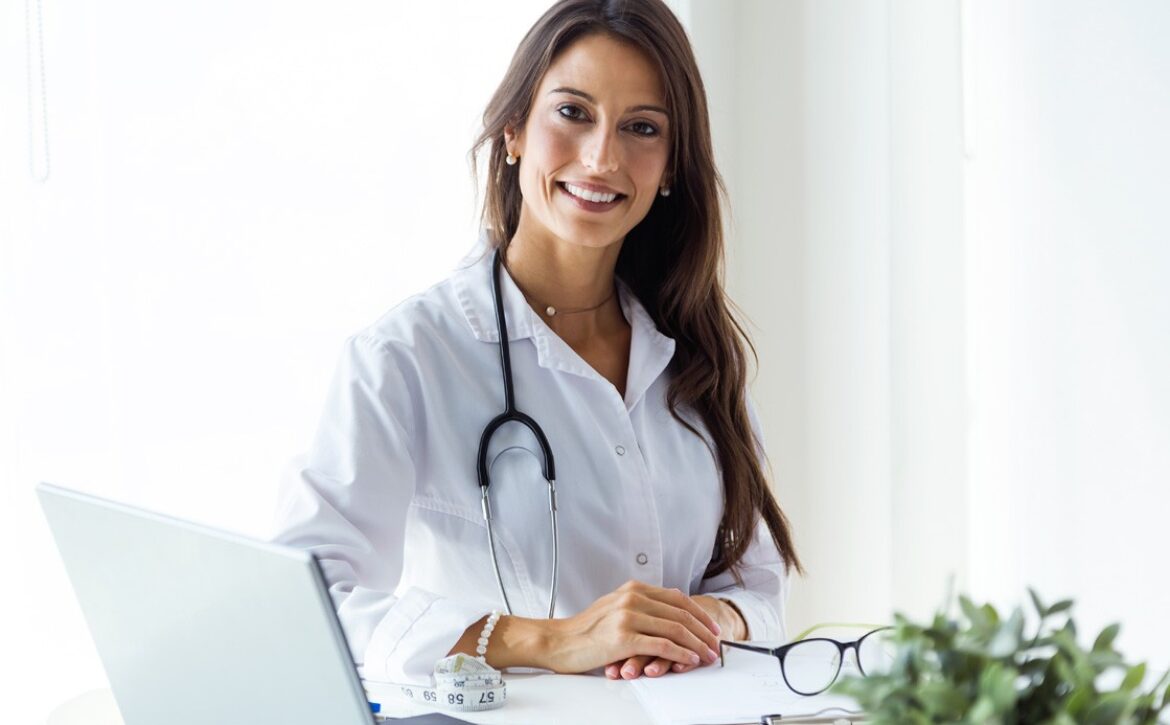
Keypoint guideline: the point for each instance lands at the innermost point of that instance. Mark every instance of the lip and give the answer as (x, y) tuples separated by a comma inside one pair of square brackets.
[(599, 188), (591, 206)]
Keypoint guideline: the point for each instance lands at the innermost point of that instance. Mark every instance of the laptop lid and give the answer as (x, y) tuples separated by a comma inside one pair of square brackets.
[(198, 626)]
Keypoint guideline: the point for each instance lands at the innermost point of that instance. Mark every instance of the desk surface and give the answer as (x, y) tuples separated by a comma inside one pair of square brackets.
[(537, 698), (532, 698)]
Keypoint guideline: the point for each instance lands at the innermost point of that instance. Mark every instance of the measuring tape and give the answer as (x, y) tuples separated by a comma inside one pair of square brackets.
[(462, 683)]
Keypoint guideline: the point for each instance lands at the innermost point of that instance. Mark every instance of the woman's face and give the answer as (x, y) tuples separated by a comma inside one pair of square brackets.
[(598, 125)]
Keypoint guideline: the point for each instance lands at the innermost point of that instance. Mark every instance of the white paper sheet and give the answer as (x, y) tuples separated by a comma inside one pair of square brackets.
[(750, 685)]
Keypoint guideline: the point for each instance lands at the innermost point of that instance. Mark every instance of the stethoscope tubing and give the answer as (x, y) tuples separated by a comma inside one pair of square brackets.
[(512, 415)]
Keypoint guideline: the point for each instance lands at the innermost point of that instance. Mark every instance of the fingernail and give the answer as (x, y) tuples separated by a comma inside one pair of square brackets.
[(628, 671), (718, 629), (694, 659), (653, 669), (711, 655)]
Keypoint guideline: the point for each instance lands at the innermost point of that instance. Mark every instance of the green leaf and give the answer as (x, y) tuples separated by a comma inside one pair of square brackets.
[(1142, 708), (1006, 639), (943, 700), (997, 683), (1061, 606), (1101, 661), (1064, 670), (1104, 640), (1108, 710), (1040, 608), (991, 614), (974, 614), (1080, 699), (1065, 641), (981, 713)]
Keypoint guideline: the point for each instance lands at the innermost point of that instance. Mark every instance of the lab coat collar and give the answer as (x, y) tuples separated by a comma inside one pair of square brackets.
[(650, 350), (473, 287)]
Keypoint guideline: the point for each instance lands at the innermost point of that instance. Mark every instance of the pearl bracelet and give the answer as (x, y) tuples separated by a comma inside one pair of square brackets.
[(481, 648)]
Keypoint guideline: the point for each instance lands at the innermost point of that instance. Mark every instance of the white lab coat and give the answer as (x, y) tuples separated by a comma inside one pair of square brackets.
[(387, 496)]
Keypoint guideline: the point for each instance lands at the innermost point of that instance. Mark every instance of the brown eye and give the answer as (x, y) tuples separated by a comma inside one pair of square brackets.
[(649, 128), (572, 110)]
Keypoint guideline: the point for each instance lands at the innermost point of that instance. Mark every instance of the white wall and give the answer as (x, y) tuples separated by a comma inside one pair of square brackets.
[(1067, 229), (803, 109), (951, 237)]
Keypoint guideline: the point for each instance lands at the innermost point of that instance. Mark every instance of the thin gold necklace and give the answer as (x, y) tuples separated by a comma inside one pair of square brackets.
[(552, 311)]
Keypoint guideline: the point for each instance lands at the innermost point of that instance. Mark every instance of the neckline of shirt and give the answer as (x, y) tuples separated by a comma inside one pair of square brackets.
[(650, 350)]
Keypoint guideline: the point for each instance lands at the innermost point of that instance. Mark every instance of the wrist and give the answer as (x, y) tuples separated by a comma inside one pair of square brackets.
[(520, 642), (739, 628), (732, 625)]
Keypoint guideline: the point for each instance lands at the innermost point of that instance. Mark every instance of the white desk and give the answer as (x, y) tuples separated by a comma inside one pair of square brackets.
[(538, 698)]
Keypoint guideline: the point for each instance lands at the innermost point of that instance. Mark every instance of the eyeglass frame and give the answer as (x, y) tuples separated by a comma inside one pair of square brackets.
[(782, 651)]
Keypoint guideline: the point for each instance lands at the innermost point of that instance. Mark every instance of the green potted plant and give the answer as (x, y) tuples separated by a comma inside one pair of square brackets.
[(982, 668)]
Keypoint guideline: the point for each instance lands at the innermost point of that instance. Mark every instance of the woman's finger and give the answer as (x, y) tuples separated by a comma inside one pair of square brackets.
[(680, 667), (675, 632), (662, 610), (633, 667), (658, 667), (662, 621), (676, 598), (664, 648)]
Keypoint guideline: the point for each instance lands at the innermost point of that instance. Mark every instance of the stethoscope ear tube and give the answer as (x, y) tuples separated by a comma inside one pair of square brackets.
[(511, 415)]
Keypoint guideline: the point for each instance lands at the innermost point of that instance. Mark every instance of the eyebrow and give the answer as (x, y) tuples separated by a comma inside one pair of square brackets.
[(587, 97)]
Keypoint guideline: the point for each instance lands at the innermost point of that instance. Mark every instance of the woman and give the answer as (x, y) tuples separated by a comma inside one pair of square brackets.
[(602, 206)]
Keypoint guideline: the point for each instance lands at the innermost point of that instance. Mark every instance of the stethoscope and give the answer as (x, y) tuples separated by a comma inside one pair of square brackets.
[(511, 415)]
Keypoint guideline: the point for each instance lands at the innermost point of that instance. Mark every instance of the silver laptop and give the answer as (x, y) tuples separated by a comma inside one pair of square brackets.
[(197, 626)]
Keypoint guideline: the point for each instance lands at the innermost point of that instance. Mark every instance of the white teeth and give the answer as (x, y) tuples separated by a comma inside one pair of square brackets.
[(589, 195)]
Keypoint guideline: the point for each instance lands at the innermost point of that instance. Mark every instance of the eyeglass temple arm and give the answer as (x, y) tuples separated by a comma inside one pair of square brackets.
[(740, 645), (826, 625)]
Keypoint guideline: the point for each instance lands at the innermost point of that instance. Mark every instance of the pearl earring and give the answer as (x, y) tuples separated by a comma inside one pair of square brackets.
[(664, 191), (510, 160)]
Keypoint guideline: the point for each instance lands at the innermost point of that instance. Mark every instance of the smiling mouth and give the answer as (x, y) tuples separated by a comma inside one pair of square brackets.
[(590, 199)]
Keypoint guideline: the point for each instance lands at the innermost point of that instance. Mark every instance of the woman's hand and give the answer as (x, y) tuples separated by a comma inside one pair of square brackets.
[(727, 619), (635, 620), (638, 623)]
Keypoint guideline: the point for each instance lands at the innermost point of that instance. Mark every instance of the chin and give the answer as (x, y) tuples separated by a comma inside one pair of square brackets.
[(593, 235), (592, 240)]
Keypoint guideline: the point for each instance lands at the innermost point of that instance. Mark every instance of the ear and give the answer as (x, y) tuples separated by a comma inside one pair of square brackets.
[(513, 140)]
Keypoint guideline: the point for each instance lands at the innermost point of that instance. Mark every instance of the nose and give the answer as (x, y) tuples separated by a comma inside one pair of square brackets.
[(600, 152)]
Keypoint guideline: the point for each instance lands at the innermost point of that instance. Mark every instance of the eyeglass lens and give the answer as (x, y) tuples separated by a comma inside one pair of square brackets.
[(812, 665), (875, 652)]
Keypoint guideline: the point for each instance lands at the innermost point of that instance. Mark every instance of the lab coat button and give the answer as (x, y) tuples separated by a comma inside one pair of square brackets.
[(642, 558), (621, 450)]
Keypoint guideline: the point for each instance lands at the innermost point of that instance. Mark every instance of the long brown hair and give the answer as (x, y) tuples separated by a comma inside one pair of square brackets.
[(673, 258)]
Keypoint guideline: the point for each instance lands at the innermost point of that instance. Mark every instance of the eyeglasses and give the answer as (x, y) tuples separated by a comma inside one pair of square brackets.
[(810, 666)]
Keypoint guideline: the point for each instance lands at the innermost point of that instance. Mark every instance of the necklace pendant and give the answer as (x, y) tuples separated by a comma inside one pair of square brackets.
[(550, 310)]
